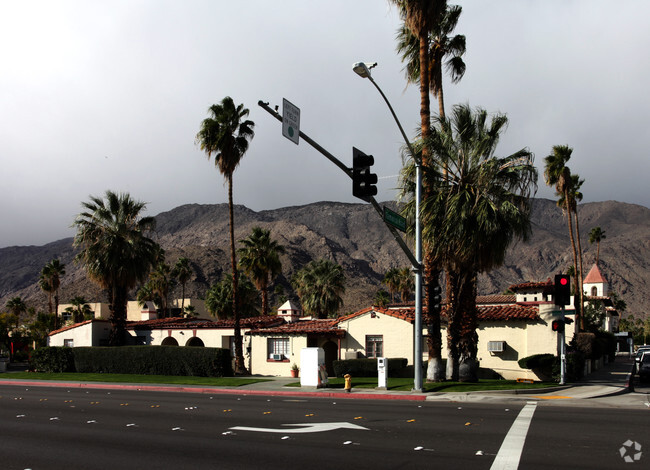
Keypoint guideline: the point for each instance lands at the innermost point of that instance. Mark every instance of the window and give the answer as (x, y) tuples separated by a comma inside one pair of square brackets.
[(278, 349), (68, 343), (594, 291), (374, 346)]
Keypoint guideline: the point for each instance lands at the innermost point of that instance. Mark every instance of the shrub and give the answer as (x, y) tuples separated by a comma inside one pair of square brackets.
[(52, 359), (537, 361), (368, 367)]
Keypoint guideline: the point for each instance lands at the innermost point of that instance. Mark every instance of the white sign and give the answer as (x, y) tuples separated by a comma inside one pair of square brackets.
[(306, 427), (290, 121)]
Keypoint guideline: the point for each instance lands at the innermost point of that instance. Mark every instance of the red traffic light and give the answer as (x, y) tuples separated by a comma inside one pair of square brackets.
[(564, 281), (557, 325)]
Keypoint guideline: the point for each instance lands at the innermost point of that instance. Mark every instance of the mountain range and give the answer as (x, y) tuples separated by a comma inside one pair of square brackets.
[(354, 236)]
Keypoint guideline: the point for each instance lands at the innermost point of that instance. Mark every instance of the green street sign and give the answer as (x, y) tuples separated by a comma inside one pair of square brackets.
[(394, 219)]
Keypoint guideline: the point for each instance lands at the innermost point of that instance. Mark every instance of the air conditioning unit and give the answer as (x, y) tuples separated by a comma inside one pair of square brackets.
[(278, 357), (496, 346)]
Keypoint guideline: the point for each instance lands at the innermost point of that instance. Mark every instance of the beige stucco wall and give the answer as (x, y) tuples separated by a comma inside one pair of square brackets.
[(134, 311), (90, 334), (397, 335), (263, 365)]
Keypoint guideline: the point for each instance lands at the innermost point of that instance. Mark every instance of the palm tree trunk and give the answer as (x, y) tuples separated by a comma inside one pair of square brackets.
[(453, 323), (182, 297), (240, 366), (575, 261), (468, 344), (265, 297), (117, 307), (580, 272)]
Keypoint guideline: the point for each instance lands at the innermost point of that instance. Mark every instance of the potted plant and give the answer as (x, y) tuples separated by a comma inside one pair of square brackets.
[(294, 370)]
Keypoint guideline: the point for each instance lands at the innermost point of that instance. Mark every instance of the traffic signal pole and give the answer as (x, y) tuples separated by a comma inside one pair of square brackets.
[(415, 260)]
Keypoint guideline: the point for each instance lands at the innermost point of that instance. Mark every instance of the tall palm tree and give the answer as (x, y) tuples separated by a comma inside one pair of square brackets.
[(558, 174), (51, 278), (226, 134), (320, 285), (183, 273), (420, 17), (260, 260), (161, 282), (482, 204), (115, 251), (46, 286), (595, 236), (444, 49), (391, 279), (406, 284), (17, 307)]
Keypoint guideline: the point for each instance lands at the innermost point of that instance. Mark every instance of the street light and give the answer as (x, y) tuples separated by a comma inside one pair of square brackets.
[(363, 70)]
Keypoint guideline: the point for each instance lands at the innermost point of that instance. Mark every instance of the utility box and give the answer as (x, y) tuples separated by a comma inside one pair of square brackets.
[(312, 367), (382, 365)]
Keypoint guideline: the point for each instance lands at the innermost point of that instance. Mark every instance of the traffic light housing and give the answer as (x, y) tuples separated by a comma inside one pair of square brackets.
[(562, 292), (558, 325), (436, 299), (363, 182)]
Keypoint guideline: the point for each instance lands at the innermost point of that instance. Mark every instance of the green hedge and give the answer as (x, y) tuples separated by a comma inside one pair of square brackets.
[(368, 367), (145, 360), (52, 359), (537, 361)]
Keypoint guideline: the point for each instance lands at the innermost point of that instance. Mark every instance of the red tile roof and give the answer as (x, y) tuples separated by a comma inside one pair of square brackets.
[(77, 325), (594, 276), (191, 323), (302, 327), (532, 285), (496, 299)]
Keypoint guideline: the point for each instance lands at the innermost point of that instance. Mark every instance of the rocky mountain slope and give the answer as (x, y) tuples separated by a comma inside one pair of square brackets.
[(353, 235)]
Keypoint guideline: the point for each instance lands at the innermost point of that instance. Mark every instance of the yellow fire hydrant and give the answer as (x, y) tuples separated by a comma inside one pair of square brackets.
[(348, 382)]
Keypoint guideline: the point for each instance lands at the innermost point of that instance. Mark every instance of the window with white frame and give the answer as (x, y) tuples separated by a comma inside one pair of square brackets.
[(374, 346), (278, 349), (69, 343)]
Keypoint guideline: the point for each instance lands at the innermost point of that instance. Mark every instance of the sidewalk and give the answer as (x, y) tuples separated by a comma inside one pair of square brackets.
[(612, 379)]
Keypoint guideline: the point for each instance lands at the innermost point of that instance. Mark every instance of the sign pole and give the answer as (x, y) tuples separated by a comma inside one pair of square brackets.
[(562, 350)]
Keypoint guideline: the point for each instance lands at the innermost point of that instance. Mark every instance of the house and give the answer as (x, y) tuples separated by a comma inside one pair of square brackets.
[(134, 310)]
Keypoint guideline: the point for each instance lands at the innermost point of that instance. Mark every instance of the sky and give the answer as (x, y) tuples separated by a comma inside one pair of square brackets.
[(109, 95)]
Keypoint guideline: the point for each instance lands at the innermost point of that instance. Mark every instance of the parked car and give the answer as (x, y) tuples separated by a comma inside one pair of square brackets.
[(644, 366), (639, 353)]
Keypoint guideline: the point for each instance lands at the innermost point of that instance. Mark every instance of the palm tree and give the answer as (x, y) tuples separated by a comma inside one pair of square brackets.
[(161, 282), (17, 307), (183, 273), (115, 251), (595, 236), (406, 284), (382, 298), (218, 299), (421, 17), (44, 284), (51, 278), (320, 285), (260, 260), (391, 279), (226, 134), (558, 174), (443, 49), (80, 309), (482, 204)]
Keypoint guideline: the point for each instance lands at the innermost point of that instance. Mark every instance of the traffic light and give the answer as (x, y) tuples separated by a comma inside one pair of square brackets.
[(363, 182), (562, 292), (557, 325), (436, 299)]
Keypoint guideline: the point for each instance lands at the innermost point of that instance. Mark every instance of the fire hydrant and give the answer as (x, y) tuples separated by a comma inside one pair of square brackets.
[(348, 382)]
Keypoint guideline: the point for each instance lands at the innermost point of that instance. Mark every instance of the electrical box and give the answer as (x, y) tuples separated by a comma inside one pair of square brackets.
[(382, 366)]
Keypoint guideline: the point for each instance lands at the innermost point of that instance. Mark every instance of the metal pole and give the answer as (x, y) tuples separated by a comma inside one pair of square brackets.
[(417, 266), (562, 350)]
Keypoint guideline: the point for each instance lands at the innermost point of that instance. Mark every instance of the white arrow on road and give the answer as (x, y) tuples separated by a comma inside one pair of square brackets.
[(306, 427)]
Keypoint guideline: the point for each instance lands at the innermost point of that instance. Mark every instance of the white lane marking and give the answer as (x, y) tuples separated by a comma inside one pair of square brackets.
[(306, 427), (510, 452)]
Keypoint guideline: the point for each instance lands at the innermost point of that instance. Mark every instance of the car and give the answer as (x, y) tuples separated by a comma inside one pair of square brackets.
[(644, 367), (639, 353)]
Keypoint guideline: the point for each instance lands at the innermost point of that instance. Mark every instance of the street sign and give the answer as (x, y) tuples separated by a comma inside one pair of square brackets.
[(290, 121), (394, 219)]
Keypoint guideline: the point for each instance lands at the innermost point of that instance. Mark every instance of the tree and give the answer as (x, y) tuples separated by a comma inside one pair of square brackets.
[(406, 284), (80, 309), (161, 282), (320, 285), (443, 49), (420, 17), (382, 298), (391, 279), (51, 279), (183, 273), (558, 174), (595, 236), (482, 203), (44, 284), (225, 134), (259, 257), (115, 251), (218, 299), (17, 307), (41, 327)]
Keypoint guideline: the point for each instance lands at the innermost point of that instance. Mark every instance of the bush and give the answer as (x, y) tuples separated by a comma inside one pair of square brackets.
[(575, 367), (154, 360), (537, 361), (368, 367), (145, 360), (52, 359)]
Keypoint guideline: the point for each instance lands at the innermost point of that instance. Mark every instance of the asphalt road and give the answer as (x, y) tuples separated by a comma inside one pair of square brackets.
[(48, 428)]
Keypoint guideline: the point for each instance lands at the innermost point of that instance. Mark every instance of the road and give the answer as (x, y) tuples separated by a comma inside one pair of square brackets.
[(51, 428)]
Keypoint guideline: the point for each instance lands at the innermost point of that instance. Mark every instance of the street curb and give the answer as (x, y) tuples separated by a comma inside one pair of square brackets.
[(219, 391)]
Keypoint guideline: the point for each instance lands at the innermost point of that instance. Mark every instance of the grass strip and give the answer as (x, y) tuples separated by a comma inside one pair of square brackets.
[(134, 378)]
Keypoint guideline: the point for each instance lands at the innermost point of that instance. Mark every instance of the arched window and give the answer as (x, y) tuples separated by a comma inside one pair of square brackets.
[(169, 341), (194, 341), (594, 291)]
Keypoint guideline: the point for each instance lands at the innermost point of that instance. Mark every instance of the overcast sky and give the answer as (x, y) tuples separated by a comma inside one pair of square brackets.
[(98, 95)]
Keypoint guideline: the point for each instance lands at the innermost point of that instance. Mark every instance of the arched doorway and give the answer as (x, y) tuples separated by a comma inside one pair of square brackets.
[(169, 341), (331, 351), (194, 341)]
